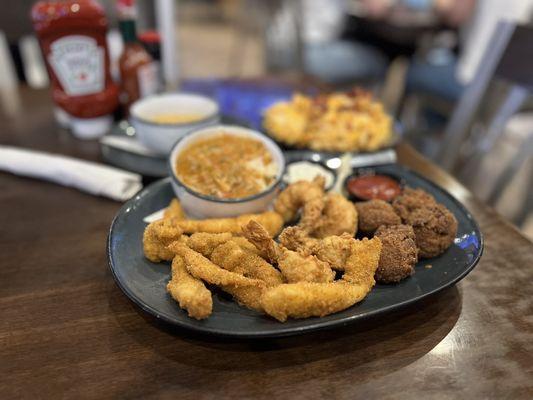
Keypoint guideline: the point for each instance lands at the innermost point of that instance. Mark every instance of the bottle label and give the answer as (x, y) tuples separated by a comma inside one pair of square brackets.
[(148, 78), (78, 63)]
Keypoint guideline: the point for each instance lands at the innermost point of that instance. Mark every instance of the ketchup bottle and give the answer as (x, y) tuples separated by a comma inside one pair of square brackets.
[(72, 35)]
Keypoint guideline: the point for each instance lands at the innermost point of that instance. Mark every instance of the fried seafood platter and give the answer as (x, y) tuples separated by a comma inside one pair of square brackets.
[(313, 260)]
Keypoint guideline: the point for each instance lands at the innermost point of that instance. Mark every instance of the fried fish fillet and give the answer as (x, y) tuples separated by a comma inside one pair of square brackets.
[(174, 211), (157, 236), (309, 299), (363, 261), (245, 290), (204, 243), (272, 221), (234, 258), (188, 291)]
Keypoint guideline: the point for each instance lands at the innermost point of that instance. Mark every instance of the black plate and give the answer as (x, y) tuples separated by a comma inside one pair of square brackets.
[(152, 166), (144, 282)]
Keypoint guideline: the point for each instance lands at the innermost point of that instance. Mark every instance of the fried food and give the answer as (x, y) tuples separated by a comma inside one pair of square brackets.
[(304, 195), (157, 236), (189, 292), (362, 263), (305, 299), (335, 122), (256, 234), (434, 225), (410, 200), (247, 245), (435, 228), (204, 243), (272, 221), (374, 213), (294, 266), (333, 250), (245, 290), (232, 257), (338, 216), (308, 299), (399, 253), (174, 211)]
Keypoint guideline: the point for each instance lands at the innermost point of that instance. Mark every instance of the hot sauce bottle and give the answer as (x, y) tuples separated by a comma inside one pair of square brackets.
[(72, 35), (138, 71)]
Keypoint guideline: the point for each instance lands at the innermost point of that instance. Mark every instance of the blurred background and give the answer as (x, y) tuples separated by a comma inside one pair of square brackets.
[(454, 73)]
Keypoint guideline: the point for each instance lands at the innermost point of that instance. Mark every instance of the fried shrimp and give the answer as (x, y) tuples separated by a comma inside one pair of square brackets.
[(304, 195), (157, 236), (272, 221), (306, 299), (174, 211), (232, 257), (299, 268), (189, 292), (332, 249), (338, 216), (247, 245), (294, 266), (245, 290)]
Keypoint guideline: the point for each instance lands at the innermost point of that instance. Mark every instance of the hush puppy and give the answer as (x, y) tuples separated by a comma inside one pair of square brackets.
[(410, 200), (399, 253), (435, 228), (375, 213)]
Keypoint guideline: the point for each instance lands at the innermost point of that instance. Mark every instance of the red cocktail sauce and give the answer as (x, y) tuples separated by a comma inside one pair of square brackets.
[(368, 187)]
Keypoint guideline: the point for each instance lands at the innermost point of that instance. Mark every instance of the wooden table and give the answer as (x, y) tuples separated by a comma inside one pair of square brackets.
[(67, 331)]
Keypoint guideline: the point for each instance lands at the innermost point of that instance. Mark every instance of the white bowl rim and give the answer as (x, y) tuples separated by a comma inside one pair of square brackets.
[(139, 103), (229, 128)]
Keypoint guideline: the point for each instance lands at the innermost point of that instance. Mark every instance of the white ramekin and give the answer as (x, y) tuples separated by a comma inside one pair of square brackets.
[(198, 205), (160, 137)]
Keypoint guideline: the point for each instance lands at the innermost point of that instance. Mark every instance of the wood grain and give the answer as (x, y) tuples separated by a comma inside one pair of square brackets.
[(67, 331)]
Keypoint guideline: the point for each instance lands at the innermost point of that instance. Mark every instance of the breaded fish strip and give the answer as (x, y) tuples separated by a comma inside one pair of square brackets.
[(294, 266), (157, 236), (189, 292), (205, 243), (272, 221), (304, 195), (362, 263), (306, 299), (234, 258), (245, 290), (174, 211), (339, 216)]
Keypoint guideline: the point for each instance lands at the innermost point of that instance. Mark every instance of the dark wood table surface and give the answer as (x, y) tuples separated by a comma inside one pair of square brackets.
[(67, 331)]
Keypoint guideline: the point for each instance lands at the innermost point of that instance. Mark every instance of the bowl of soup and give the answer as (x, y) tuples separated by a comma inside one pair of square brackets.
[(226, 171), (160, 120)]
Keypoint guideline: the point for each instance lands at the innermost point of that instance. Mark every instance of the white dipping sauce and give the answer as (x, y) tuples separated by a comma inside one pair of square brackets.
[(306, 171)]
